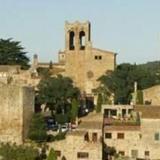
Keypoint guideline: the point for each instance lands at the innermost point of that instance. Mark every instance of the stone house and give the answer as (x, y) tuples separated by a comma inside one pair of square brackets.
[(135, 138), (83, 143)]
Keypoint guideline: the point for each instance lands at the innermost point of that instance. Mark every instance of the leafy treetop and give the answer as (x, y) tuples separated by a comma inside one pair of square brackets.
[(121, 81), (12, 53)]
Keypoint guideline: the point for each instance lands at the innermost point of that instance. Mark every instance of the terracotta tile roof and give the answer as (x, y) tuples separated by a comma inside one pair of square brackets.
[(57, 70), (93, 117), (90, 125), (121, 128), (148, 112), (77, 133), (7, 68), (43, 63), (104, 51)]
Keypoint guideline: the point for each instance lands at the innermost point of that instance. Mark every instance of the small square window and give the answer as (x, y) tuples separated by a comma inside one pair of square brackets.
[(96, 57), (120, 135), (134, 153), (122, 153), (146, 153), (140, 136), (82, 155), (156, 136), (58, 153), (100, 57), (108, 135)]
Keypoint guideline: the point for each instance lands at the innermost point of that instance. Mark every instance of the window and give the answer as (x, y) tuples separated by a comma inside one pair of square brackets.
[(94, 137), (82, 155), (157, 136), (64, 158), (113, 112), (58, 153), (130, 110), (106, 113), (140, 136), (86, 137), (98, 57), (122, 153), (134, 153), (71, 40), (82, 40), (124, 112), (120, 135), (108, 135), (146, 153)]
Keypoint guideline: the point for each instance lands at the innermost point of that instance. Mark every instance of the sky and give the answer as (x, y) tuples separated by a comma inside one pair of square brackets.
[(130, 28)]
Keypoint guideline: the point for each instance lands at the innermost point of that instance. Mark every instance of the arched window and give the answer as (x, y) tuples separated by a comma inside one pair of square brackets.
[(63, 158), (82, 40), (71, 40)]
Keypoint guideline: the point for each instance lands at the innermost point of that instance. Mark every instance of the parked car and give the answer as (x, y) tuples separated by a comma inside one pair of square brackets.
[(51, 124), (83, 112), (73, 126), (64, 128)]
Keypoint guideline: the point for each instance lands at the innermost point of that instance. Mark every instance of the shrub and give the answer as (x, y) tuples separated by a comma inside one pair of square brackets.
[(37, 130), (14, 152), (52, 155)]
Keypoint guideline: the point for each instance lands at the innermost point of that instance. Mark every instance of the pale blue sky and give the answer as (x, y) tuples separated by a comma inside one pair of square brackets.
[(129, 27)]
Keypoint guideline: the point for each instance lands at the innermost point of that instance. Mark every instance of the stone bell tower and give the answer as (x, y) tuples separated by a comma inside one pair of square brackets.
[(83, 63), (77, 36)]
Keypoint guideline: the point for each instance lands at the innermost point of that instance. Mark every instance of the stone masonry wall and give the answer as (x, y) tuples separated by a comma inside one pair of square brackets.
[(142, 140), (152, 95), (15, 111)]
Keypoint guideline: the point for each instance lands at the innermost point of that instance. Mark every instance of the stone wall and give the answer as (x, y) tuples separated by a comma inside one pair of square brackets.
[(28, 108), (152, 95), (16, 106)]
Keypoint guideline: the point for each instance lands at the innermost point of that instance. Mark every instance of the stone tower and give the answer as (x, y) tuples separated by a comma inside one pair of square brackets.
[(35, 61), (83, 63), (77, 36), (34, 65)]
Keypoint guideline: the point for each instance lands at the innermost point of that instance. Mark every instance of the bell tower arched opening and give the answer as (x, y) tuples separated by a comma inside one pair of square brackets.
[(82, 40), (71, 40)]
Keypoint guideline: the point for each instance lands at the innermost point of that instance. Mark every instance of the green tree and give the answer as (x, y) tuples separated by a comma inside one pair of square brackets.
[(105, 93), (99, 103), (43, 72), (12, 53), (52, 155), (50, 65), (57, 93), (10, 152), (37, 131), (139, 97), (121, 81), (74, 110), (62, 118)]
